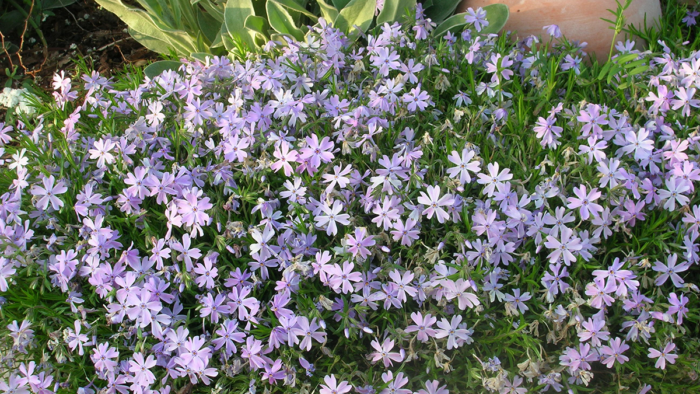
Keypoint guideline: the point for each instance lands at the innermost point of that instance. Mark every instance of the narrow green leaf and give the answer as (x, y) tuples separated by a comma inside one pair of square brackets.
[(638, 70), (358, 13), (604, 71)]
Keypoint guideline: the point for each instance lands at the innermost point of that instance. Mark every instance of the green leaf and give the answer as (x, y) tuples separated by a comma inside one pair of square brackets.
[(203, 56), (395, 10), (638, 70), (209, 26), (604, 71), (155, 69), (357, 13), (293, 5), (328, 12), (281, 21), (259, 25), (340, 4), (235, 13), (441, 9), (496, 14)]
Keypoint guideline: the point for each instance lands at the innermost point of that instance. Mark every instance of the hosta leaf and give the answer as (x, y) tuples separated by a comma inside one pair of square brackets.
[(155, 69), (51, 4), (328, 12), (357, 13), (281, 20), (496, 14), (235, 13), (293, 5), (149, 42), (259, 25), (441, 9), (209, 26), (395, 10), (340, 4)]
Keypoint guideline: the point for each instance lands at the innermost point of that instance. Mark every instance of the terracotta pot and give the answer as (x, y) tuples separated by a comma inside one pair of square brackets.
[(578, 19)]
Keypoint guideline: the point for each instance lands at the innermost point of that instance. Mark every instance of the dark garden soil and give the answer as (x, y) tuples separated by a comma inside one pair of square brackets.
[(81, 29)]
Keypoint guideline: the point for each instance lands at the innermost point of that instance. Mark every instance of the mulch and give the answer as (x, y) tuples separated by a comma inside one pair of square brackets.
[(81, 29)]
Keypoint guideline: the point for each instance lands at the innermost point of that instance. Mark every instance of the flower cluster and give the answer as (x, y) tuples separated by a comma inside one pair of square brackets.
[(334, 218)]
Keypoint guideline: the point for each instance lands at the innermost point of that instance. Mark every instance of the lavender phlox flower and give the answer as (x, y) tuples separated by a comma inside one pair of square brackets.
[(383, 352), (308, 330), (330, 216), (457, 334), (664, 355), (670, 270), (434, 203), (552, 30), (477, 18), (48, 194)]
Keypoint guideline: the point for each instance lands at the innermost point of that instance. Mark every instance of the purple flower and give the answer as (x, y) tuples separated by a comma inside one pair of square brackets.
[(308, 331), (664, 355), (585, 202), (670, 270), (477, 18), (360, 242), (48, 193), (330, 216), (434, 203), (383, 352), (417, 99), (423, 326), (553, 30), (141, 367), (456, 333), (405, 232), (613, 352), (332, 386)]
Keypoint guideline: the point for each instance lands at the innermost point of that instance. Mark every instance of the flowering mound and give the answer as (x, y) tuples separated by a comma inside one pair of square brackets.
[(392, 218)]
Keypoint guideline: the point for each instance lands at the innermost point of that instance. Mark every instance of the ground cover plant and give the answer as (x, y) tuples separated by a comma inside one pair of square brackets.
[(408, 214)]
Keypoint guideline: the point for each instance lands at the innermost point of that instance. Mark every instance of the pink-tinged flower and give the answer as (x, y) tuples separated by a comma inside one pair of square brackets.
[(670, 270), (253, 351), (187, 253), (434, 203), (613, 352), (140, 367), (141, 308), (593, 330), (553, 30), (433, 387), (246, 306), (235, 149), (417, 99), (384, 353), (7, 269), (341, 277), (386, 213), (638, 144), (330, 216), (685, 100), (600, 291), (207, 272), (102, 153), (477, 18), (563, 248), (678, 305), (592, 120), (332, 386), (585, 202), (316, 152), (674, 193), (458, 289), (308, 331), (664, 355), (547, 132), (493, 179), (464, 165), (457, 334), (423, 326), (403, 284), (48, 193), (518, 300), (192, 209), (228, 337), (273, 372), (360, 242), (338, 177), (405, 232), (194, 355), (76, 339), (285, 157)]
